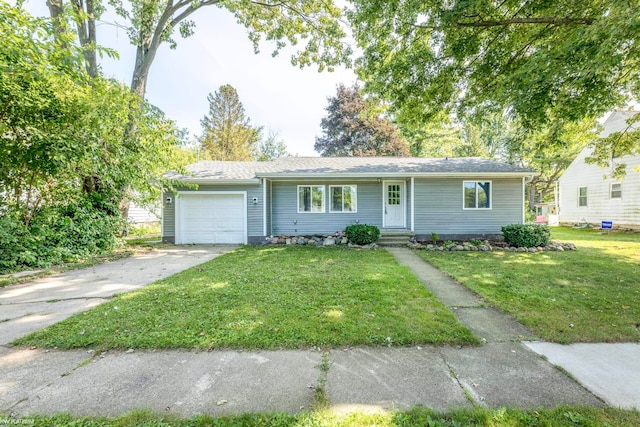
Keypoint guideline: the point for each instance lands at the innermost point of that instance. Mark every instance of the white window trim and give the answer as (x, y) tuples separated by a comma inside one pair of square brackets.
[(586, 196), (324, 199), (611, 190), (355, 187), (490, 196)]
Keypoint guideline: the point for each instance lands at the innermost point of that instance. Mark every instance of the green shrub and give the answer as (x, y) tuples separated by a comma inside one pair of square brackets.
[(526, 235), (57, 235), (362, 234)]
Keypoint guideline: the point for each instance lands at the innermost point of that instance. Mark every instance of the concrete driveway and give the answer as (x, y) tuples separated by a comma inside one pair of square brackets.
[(35, 304)]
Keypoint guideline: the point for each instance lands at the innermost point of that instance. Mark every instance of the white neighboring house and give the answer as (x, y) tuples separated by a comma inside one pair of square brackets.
[(140, 215), (588, 193)]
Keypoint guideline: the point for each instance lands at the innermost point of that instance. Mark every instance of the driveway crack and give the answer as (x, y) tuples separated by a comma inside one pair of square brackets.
[(474, 398)]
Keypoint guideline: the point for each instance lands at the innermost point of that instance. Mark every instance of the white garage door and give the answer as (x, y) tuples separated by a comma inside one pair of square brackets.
[(211, 218)]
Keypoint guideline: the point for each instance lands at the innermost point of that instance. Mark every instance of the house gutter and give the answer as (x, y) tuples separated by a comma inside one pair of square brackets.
[(347, 175), (204, 181)]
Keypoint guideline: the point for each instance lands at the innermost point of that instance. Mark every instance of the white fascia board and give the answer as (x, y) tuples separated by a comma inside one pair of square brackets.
[(200, 181)]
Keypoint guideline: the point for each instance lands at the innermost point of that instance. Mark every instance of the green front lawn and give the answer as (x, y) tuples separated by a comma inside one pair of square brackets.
[(419, 417), (269, 298), (588, 295)]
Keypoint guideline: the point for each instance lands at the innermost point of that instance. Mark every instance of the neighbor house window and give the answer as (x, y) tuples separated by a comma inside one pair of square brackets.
[(582, 196), (310, 198), (477, 194), (616, 190), (343, 198)]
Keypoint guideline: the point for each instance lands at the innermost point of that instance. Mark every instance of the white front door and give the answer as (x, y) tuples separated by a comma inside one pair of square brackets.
[(394, 205)]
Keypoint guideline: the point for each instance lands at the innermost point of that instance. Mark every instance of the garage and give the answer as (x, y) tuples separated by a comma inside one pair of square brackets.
[(211, 217)]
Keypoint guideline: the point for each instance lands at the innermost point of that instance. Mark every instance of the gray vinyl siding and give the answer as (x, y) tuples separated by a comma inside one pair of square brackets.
[(254, 211), (439, 209), (284, 199), (168, 216)]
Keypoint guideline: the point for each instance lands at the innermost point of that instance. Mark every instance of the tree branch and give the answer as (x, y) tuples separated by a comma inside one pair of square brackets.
[(518, 21)]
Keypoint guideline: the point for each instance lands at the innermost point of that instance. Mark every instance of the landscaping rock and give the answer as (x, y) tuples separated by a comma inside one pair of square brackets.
[(344, 241), (288, 241), (329, 241), (311, 242)]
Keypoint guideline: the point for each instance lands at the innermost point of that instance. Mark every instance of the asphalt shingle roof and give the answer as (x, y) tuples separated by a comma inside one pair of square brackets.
[(356, 166)]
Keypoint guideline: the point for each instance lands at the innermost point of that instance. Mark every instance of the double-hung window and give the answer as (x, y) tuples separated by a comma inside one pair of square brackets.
[(616, 190), (310, 198), (582, 196), (477, 194), (344, 198)]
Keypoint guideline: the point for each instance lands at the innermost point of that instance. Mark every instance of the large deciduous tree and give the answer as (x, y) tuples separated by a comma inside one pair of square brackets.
[(58, 125), (440, 137), (226, 131), (541, 61), (355, 126), (312, 25), (271, 148)]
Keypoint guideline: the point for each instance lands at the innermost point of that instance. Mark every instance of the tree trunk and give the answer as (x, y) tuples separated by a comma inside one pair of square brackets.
[(532, 194), (86, 29), (55, 10)]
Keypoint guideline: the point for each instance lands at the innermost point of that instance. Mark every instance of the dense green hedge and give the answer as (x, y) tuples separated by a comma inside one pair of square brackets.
[(526, 235), (362, 234), (58, 235)]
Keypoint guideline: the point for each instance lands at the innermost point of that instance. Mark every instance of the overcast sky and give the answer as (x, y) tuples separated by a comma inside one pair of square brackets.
[(275, 94)]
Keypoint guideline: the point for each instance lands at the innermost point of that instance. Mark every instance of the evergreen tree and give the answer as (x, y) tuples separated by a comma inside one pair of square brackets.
[(226, 132)]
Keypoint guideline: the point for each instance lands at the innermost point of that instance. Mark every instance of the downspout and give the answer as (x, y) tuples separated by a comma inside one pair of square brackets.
[(264, 207), (271, 207)]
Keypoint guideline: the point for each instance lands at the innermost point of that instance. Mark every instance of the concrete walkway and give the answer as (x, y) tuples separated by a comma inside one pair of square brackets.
[(502, 372), (610, 371)]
